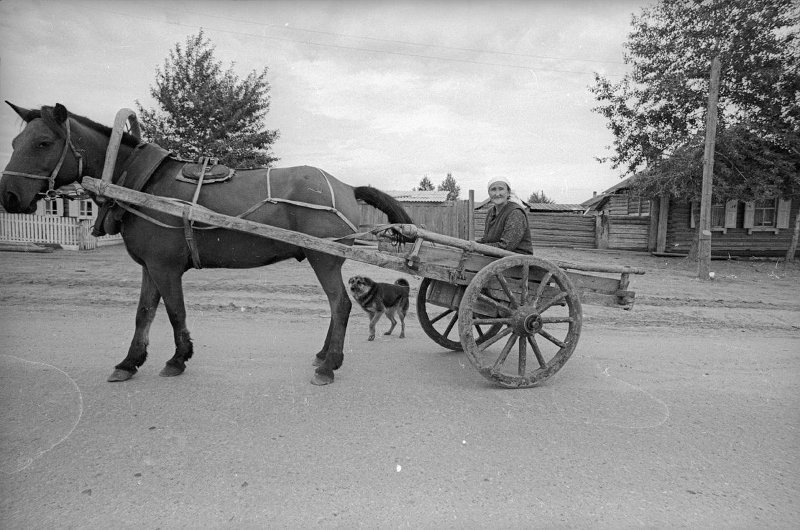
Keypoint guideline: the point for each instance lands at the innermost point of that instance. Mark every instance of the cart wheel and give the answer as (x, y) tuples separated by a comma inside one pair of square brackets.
[(539, 311), (441, 326)]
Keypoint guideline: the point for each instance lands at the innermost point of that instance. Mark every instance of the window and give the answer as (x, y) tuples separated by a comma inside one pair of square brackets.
[(86, 210), (764, 213), (718, 215), (55, 207), (637, 206), (723, 215), (767, 215)]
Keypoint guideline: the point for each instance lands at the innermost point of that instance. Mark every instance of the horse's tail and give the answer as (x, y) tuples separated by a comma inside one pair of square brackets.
[(383, 202)]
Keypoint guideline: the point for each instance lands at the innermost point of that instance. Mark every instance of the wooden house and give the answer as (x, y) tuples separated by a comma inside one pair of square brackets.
[(65, 221), (667, 226)]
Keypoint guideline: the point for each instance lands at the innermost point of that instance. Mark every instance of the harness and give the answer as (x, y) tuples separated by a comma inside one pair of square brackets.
[(52, 193), (139, 167)]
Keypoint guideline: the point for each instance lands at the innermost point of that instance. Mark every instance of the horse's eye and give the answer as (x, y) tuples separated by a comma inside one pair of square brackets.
[(44, 144)]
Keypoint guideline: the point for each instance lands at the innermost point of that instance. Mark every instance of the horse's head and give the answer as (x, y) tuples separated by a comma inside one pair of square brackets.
[(43, 159)]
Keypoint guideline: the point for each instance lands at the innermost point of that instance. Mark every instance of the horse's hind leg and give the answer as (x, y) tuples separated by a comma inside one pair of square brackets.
[(329, 273), (149, 298)]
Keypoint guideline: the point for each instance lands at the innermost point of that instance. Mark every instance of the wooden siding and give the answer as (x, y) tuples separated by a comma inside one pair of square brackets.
[(628, 232), (735, 241), (552, 229), (624, 205), (447, 218)]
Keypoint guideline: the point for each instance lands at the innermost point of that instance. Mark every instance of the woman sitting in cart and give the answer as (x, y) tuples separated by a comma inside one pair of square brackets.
[(507, 221)]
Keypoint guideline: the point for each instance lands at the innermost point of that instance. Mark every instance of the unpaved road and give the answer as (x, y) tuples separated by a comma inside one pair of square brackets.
[(682, 412)]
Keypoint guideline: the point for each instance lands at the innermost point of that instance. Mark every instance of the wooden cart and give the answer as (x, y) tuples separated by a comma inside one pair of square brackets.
[(517, 317)]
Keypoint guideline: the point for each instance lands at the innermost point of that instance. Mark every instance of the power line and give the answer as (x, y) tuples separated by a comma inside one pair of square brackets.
[(369, 50)]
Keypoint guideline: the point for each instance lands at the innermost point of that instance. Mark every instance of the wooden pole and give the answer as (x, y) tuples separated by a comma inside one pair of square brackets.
[(704, 227), (471, 216)]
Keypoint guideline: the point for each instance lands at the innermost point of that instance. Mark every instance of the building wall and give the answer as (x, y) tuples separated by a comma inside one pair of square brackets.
[(735, 242)]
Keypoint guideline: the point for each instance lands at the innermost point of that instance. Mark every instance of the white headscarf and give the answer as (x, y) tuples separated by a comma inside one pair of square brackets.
[(511, 196)]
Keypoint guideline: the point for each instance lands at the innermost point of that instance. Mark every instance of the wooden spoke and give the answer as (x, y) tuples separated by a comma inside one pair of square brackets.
[(536, 351), (523, 297), (545, 281), (556, 320), (504, 354), (438, 318), (504, 284), (552, 339), (478, 321), (497, 305), (522, 357), (450, 325), (553, 301), (488, 342)]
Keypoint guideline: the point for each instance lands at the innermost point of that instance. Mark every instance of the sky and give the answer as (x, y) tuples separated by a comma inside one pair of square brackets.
[(378, 93)]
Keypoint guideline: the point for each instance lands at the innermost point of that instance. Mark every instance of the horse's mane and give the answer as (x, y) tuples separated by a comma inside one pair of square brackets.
[(46, 113)]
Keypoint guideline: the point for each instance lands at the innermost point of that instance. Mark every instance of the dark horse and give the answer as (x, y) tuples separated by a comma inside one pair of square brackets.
[(58, 148)]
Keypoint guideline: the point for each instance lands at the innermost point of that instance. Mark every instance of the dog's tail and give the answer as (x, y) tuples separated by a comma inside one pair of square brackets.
[(403, 283)]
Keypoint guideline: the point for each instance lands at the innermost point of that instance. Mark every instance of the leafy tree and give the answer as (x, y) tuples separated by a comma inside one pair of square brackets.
[(425, 184), (205, 111), (657, 112), (540, 197), (451, 187)]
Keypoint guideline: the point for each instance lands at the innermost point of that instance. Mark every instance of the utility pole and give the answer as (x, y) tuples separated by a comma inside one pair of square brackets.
[(704, 228)]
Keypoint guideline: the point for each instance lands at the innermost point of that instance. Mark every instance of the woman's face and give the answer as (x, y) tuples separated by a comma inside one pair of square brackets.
[(498, 193)]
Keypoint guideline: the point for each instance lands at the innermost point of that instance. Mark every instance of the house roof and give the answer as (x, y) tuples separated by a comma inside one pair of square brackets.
[(546, 207), (418, 195), (598, 200)]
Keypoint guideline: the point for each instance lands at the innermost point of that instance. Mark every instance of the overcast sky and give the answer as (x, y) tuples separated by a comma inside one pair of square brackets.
[(379, 93)]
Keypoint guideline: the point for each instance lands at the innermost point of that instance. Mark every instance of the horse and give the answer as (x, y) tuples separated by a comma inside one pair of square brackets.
[(56, 148)]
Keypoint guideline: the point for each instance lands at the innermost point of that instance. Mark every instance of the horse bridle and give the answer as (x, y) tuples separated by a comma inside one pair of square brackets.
[(51, 192)]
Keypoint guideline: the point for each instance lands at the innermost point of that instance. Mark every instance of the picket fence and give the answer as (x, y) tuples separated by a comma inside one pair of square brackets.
[(68, 232)]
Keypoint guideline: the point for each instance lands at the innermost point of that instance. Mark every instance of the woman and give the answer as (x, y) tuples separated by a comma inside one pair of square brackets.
[(507, 221)]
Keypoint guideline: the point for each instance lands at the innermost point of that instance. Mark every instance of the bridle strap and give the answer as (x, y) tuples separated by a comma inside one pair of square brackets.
[(68, 145)]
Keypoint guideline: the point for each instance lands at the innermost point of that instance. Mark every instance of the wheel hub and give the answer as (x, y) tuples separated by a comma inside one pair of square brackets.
[(527, 322)]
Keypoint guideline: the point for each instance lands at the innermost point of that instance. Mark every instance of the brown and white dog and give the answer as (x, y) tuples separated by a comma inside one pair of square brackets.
[(378, 298)]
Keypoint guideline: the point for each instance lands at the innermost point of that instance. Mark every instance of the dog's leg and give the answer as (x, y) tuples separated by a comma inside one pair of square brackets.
[(372, 321), (390, 316), (402, 314)]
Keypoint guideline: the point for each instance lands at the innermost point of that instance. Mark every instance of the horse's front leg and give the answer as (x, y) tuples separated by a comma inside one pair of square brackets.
[(149, 298), (169, 283), (328, 270)]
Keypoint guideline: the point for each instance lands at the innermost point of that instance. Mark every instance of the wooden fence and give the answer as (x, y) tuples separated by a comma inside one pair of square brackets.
[(69, 232), (450, 218), (552, 229)]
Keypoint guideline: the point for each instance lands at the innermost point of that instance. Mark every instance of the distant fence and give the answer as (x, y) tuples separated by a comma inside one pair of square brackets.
[(69, 232), (449, 218), (553, 229)]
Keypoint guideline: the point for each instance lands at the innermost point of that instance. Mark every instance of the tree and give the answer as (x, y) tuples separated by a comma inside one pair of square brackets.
[(425, 184), (657, 112), (205, 111), (451, 187), (540, 197)]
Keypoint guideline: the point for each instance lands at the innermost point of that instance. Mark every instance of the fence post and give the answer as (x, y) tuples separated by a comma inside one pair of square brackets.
[(471, 216)]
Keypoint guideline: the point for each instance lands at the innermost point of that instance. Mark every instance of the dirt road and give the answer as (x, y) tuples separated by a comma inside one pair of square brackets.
[(681, 412)]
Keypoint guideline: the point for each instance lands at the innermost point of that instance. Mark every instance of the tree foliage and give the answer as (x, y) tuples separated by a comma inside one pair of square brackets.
[(205, 111), (540, 197), (452, 188), (657, 112), (425, 184)]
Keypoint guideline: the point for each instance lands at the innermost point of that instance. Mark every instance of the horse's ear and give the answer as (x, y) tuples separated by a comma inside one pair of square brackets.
[(26, 114), (60, 113)]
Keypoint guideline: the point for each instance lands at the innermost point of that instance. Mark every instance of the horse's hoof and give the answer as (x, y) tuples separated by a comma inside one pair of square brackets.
[(170, 371), (318, 361), (321, 379), (119, 375)]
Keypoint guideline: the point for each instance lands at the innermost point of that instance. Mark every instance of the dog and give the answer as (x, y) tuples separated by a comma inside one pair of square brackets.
[(378, 298)]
